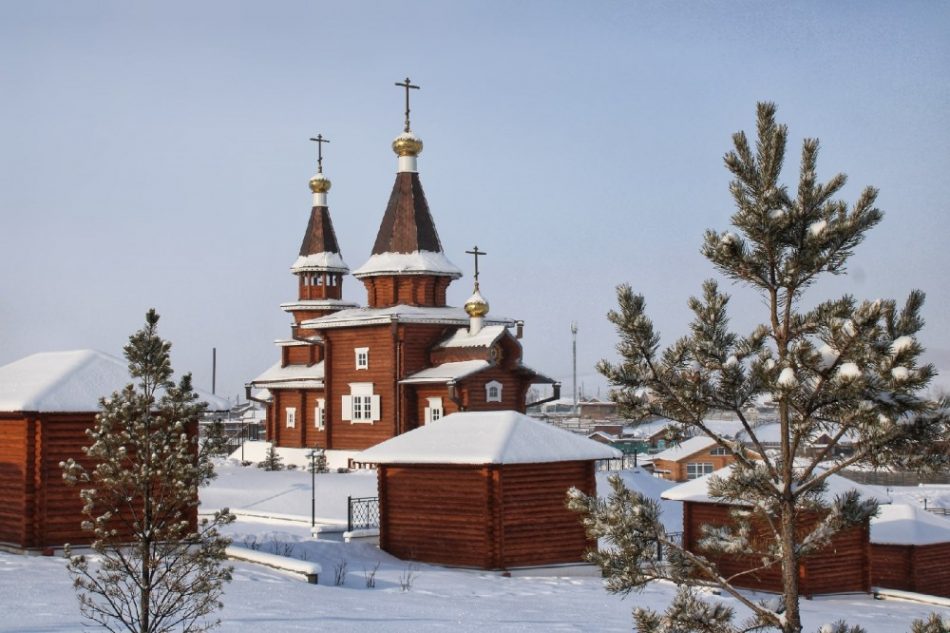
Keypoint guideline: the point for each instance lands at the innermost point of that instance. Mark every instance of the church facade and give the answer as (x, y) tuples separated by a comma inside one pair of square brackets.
[(349, 376)]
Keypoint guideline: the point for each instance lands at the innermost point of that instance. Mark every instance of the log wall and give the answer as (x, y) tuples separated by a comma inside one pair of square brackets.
[(918, 568), (13, 480)]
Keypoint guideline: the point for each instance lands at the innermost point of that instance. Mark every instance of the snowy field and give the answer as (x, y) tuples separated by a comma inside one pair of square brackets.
[(36, 596)]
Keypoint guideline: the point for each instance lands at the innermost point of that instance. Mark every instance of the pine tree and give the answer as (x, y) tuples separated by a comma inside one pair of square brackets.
[(845, 369), (154, 567), (272, 460)]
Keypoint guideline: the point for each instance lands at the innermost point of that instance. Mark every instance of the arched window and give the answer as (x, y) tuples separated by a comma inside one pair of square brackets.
[(493, 391)]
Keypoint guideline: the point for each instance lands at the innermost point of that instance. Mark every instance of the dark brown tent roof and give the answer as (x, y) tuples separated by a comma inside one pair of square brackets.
[(320, 237), (407, 224)]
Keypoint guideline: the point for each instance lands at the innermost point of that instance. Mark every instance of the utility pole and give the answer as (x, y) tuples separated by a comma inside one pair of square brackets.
[(214, 368), (574, 346)]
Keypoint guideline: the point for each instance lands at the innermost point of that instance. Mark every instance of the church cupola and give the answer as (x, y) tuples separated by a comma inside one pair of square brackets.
[(319, 268), (407, 265), (476, 307)]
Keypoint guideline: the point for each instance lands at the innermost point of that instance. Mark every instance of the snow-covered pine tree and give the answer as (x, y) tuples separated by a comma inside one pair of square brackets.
[(154, 567), (842, 369), (272, 460)]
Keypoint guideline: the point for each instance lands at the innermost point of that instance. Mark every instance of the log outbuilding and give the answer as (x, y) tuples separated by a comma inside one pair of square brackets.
[(842, 566), (485, 490), (47, 402), (910, 550)]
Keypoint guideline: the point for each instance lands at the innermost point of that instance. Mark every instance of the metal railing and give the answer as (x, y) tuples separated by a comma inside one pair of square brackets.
[(362, 513)]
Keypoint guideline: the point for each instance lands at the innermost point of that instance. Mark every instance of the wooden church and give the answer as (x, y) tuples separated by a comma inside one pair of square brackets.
[(350, 377)]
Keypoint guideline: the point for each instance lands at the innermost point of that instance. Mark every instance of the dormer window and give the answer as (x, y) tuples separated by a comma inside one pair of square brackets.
[(493, 391), (362, 357)]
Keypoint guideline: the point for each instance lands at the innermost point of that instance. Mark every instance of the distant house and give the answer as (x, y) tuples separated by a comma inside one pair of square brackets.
[(484, 489), (691, 459), (47, 401), (844, 565), (910, 550), (625, 444)]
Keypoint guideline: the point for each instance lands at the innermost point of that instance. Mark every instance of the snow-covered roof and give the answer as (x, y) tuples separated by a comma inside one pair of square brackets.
[(646, 429), (320, 262), (399, 313), (698, 489), (462, 337), (71, 381), (771, 433), (291, 376), (686, 448), (902, 524), (317, 304), (486, 437), (414, 263), (447, 372)]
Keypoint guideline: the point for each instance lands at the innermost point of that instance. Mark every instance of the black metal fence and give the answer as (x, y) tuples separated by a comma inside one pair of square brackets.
[(362, 513)]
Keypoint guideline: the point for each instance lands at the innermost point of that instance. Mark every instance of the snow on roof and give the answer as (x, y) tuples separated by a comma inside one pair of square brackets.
[(414, 263), (771, 433), (697, 489), (317, 304), (462, 337), (901, 524), (447, 372), (486, 437), (297, 376), (400, 313), (70, 381), (647, 429), (320, 262), (686, 448)]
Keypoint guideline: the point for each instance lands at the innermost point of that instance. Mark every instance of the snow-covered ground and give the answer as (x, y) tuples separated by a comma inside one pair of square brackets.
[(36, 595)]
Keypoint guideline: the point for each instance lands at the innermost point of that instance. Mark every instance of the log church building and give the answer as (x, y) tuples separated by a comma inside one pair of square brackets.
[(349, 376)]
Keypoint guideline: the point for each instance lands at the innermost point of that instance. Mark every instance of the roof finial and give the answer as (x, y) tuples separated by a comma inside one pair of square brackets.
[(320, 141), (475, 252), (407, 84), (476, 306)]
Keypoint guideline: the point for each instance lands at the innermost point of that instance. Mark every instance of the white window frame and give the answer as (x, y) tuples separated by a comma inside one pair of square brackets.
[(361, 355), (718, 451), (290, 415), (319, 415), (434, 411), (361, 405), (494, 384), (695, 470)]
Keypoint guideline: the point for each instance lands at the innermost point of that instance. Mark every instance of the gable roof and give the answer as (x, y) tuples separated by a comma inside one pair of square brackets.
[(291, 376), (686, 448), (698, 489), (446, 372), (71, 381), (463, 337), (902, 524), (486, 437)]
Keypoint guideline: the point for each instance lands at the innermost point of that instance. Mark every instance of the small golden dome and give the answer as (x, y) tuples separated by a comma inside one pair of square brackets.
[(476, 306), (407, 144), (320, 183)]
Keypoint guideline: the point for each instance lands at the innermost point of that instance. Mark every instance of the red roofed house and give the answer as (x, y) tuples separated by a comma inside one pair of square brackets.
[(351, 377), (485, 490)]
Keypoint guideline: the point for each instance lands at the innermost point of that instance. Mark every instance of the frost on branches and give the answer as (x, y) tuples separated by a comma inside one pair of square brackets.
[(153, 567), (843, 369)]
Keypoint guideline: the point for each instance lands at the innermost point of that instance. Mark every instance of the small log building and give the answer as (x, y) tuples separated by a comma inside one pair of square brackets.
[(690, 459), (843, 566), (910, 550), (485, 490)]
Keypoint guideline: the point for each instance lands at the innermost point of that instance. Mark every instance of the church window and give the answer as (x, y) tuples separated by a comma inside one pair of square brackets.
[(433, 412), (362, 358), (493, 391), (361, 405), (291, 417), (319, 420)]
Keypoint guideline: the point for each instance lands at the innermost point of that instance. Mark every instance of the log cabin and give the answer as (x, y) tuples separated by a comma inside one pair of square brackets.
[(485, 490), (842, 566), (910, 550), (350, 376), (47, 402), (690, 459)]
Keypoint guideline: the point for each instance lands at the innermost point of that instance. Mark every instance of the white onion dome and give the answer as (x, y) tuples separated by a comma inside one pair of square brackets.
[(407, 144), (319, 183), (476, 306)]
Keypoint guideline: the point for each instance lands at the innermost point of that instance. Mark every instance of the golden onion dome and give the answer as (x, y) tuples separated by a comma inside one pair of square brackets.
[(407, 144), (476, 306), (319, 183)]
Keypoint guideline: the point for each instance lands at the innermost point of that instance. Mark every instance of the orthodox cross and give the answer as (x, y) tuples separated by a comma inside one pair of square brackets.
[(320, 141), (407, 85), (476, 253)]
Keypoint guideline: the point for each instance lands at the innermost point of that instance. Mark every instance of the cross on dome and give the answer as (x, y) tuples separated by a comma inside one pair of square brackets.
[(407, 84), (475, 252), (320, 141)]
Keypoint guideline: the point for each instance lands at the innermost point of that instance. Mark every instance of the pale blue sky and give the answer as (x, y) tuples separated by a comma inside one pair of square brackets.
[(157, 155)]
